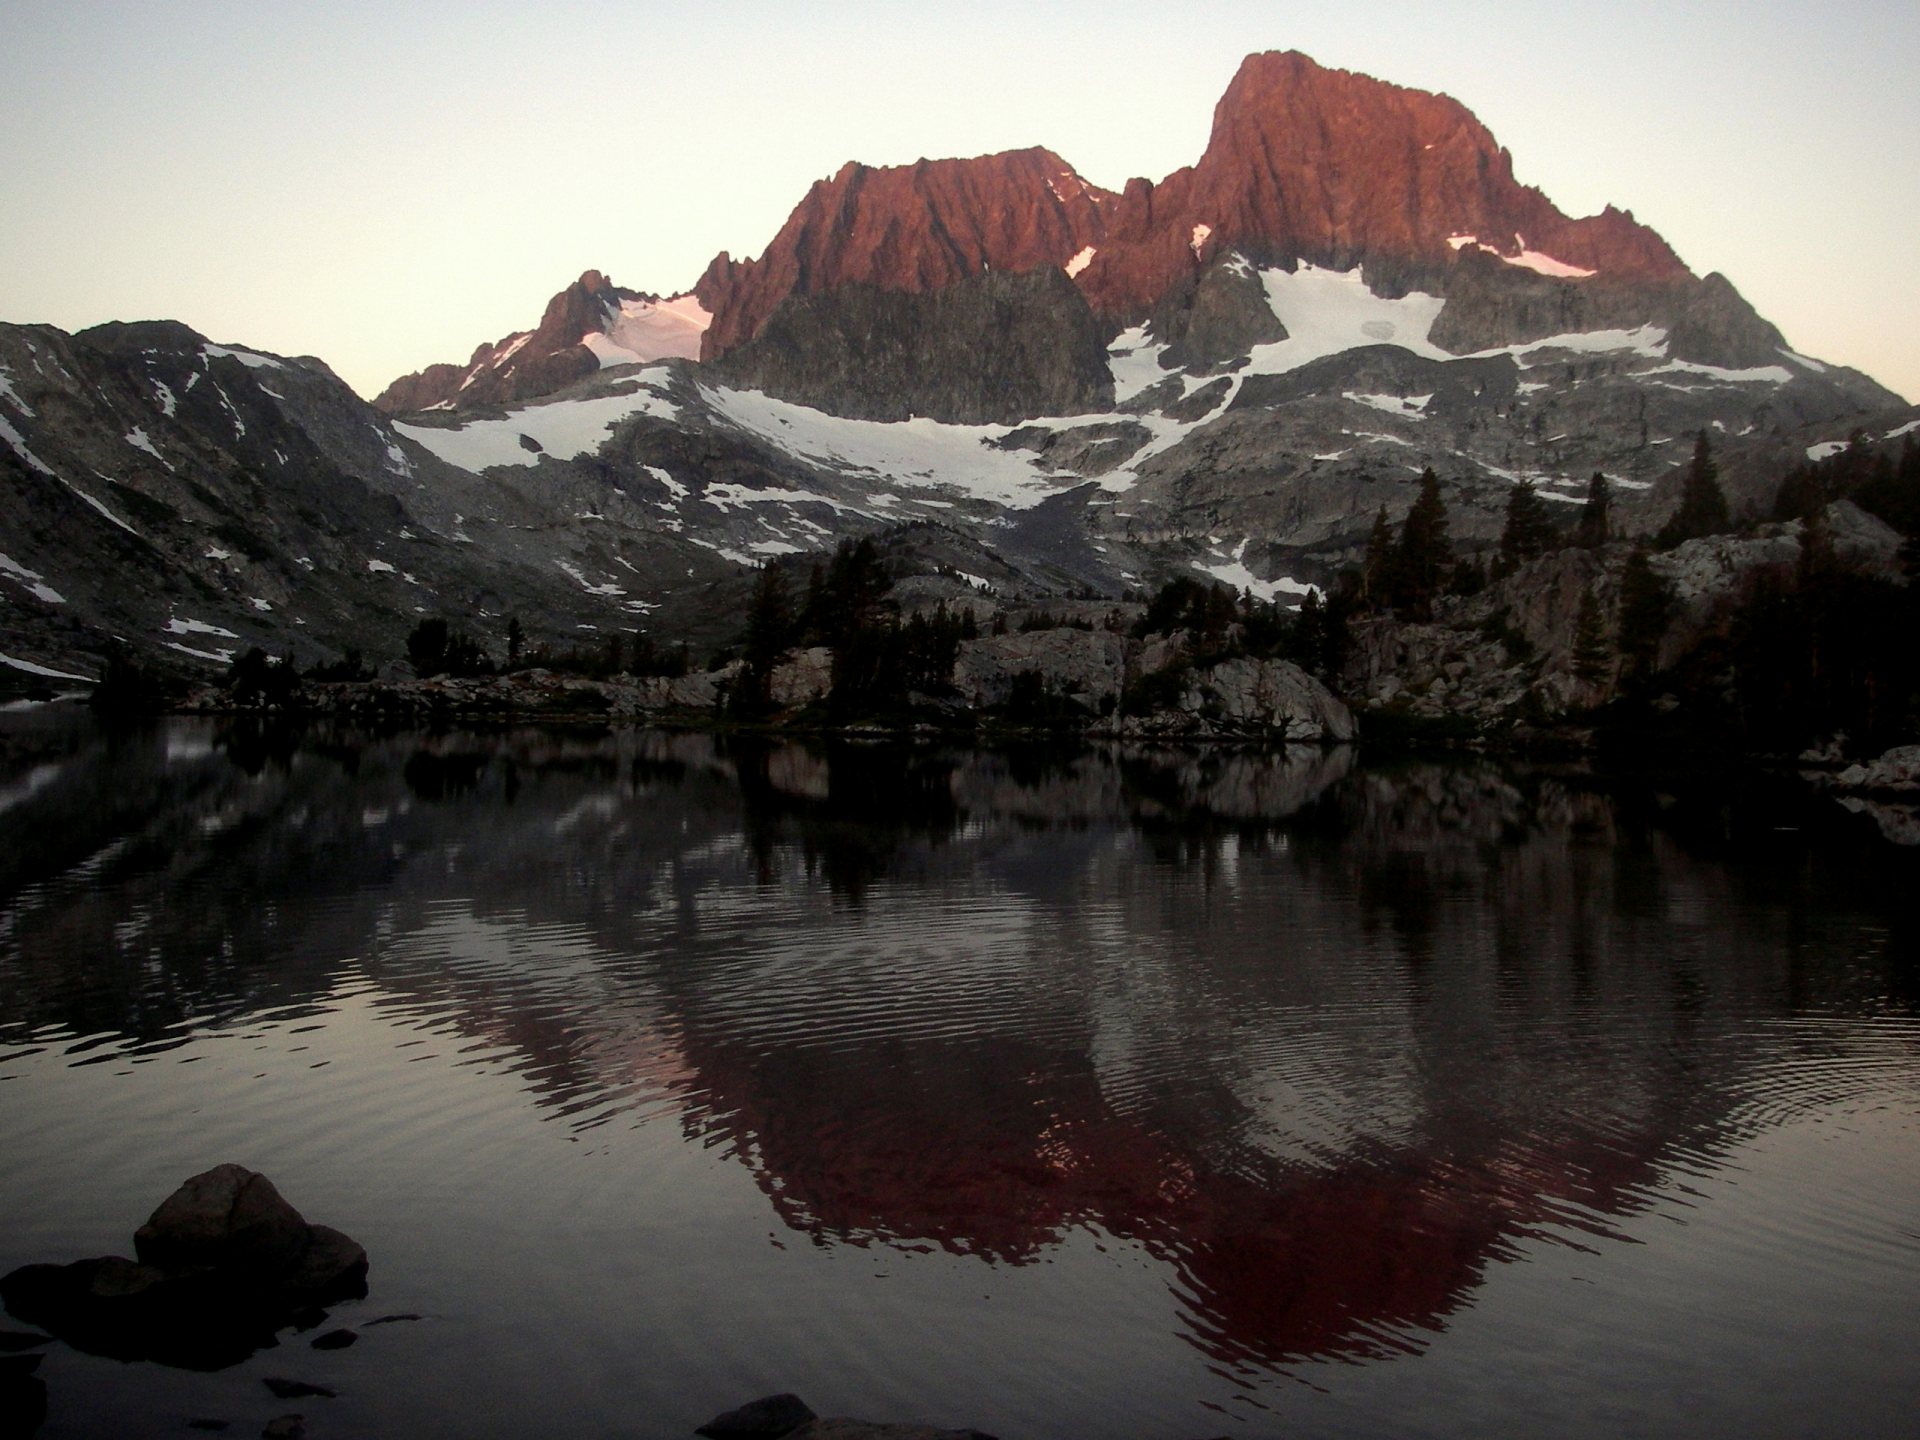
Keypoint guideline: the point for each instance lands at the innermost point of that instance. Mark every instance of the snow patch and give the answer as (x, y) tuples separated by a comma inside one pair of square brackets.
[(1327, 312), (217, 657), (1826, 449), (214, 552), (18, 444), (379, 567), (167, 403), (726, 496), (32, 580), (674, 487), (1233, 572), (1134, 359), (1804, 361), (32, 669), (137, 438), (1758, 375), (1200, 234), (178, 626), (245, 357), (609, 590), (563, 429), (775, 547), (1906, 429), (12, 397), (258, 603), (1534, 260), (1407, 407), (910, 454), (1080, 262), (643, 331)]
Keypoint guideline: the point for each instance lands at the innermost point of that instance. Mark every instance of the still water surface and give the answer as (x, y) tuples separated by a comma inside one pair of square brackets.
[(1061, 1094)]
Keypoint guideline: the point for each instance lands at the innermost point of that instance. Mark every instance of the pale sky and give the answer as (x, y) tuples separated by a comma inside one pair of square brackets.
[(388, 184)]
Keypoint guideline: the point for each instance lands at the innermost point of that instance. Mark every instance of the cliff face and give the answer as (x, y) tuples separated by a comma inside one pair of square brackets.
[(911, 228), (992, 347)]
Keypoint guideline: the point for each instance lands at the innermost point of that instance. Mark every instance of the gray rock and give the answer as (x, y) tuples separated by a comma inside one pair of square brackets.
[(226, 1216), (996, 347), (1088, 665), (802, 678), (1896, 771)]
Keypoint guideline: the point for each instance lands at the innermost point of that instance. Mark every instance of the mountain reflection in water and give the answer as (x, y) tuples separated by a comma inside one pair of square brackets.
[(1324, 1041)]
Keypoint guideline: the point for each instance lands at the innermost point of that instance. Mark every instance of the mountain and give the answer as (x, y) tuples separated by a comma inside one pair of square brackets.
[(1029, 386), (589, 325)]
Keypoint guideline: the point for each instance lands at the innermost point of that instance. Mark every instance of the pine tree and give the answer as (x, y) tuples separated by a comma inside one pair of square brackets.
[(1595, 519), (1703, 504), (1528, 532), (1592, 661), (1646, 602), (1424, 556), (1376, 579)]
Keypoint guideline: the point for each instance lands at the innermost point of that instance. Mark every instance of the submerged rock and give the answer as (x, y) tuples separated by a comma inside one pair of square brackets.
[(225, 1262), (776, 1416), (767, 1418)]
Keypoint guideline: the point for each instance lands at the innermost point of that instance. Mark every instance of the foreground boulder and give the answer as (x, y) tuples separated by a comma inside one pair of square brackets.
[(224, 1263)]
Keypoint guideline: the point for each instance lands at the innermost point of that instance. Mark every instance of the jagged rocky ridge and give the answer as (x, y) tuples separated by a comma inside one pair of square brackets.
[(1355, 311)]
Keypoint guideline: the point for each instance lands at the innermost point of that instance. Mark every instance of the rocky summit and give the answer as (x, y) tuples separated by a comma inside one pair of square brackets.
[(1028, 387)]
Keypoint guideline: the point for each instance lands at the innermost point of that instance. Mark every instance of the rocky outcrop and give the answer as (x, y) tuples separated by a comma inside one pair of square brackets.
[(1214, 316), (1897, 771), (224, 1263), (1086, 666), (995, 346)]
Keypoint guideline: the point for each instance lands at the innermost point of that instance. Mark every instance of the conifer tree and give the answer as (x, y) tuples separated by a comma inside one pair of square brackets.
[(1424, 556), (1591, 658), (1376, 579), (1595, 520), (1646, 602), (1528, 532), (1703, 504)]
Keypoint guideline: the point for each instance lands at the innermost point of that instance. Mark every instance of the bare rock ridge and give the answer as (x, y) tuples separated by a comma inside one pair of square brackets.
[(1304, 165)]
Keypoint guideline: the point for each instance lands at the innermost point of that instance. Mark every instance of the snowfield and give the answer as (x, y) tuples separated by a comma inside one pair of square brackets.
[(563, 429)]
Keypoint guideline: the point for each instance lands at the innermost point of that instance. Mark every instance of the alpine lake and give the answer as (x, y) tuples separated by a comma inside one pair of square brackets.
[(1058, 1092)]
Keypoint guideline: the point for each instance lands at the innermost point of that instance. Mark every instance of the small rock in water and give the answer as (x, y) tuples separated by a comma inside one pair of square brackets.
[(767, 1418), (842, 1429), (225, 1262), (296, 1389), (335, 1340)]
